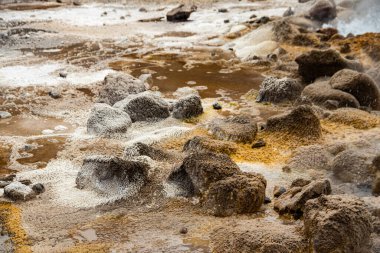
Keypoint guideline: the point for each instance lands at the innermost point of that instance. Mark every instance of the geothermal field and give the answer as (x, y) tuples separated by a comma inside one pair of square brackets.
[(190, 126)]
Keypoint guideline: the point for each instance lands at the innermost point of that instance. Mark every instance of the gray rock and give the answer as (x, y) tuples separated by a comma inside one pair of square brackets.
[(55, 94), (38, 188), (5, 115), (107, 121), (180, 13), (111, 175), (236, 128), (323, 11), (144, 106), (187, 107), (18, 191), (279, 90), (4, 183), (117, 86)]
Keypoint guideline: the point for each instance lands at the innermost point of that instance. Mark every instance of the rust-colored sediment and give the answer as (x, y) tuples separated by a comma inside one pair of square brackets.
[(10, 215)]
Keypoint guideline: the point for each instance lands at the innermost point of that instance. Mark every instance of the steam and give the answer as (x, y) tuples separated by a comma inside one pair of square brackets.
[(365, 18)]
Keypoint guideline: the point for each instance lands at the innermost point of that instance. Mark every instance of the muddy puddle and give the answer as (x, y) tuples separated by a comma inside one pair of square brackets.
[(22, 125), (211, 80), (41, 151)]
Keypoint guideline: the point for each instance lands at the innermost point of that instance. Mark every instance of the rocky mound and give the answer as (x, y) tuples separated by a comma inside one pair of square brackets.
[(187, 107), (337, 223), (238, 194), (257, 236), (323, 11), (237, 128), (321, 63), (107, 121), (144, 106), (353, 117), (117, 86), (359, 85), (293, 201), (300, 122), (279, 90), (111, 175), (199, 170)]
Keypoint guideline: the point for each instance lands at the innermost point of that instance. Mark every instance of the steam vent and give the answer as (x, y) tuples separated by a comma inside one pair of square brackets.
[(190, 126)]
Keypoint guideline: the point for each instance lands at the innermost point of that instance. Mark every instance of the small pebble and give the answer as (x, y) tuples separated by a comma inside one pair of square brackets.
[(267, 200), (259, 144), (216, 106), (183, 230), (63, 74), (278, 191), (38, 188)]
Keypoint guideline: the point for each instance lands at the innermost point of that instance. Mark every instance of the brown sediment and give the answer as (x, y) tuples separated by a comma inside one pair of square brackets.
[(10, 215), (47, 149), (29, 6), (89, 248), (176, 34), (5, 153)]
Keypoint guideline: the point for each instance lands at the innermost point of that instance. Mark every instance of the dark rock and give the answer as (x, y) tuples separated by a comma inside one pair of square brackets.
[(237, 194), (300, 182), (144, 106), (216, 106), (279, 90), (321, 63), (25, 181), (63, 74), (183, 230), (293, 201), (38, 188), (187, 107), (267, 200), (180, 14), (323, 10), (278, 191), (8, 177), (300, 122), (55, 94), (18, 191), (77, 3), (117, 86), (289, 12), (142, 9), (112, 175), (321, 92), (107, 121), (199, 170), (236, 128), (337, 223), (259, 144), (359, 85), (202, 144), (222, 10), (142, 149), (226, 21)]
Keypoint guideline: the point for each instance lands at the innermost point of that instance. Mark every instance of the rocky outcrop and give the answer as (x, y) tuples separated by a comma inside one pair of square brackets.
[(111, 175), (117, 86), (323, 11), (144, 106), (204, 144), (279, 90), (321, 93), (293, 201), (19, 192), (321, 63), (199, 170), (236, 128), (301, 122), (337, 223), (180, 13), (259, 236), (359, 85), (107, 121), (238, 194), (187, 107)]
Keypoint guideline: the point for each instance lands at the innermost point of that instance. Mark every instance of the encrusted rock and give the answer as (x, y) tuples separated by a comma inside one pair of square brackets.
[(323, 10), (238, 194), (236, 128), (117, 86), (18, 191), (300, 122), (359, 85), (202, 144), (107, 121), (199, 170), (337, 223), (142, 149), (187, 107), (259, 236), (320, 63), (279, 90), (111, 175), (354, 117), (293, 201), (144, 106), (321, 91)]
